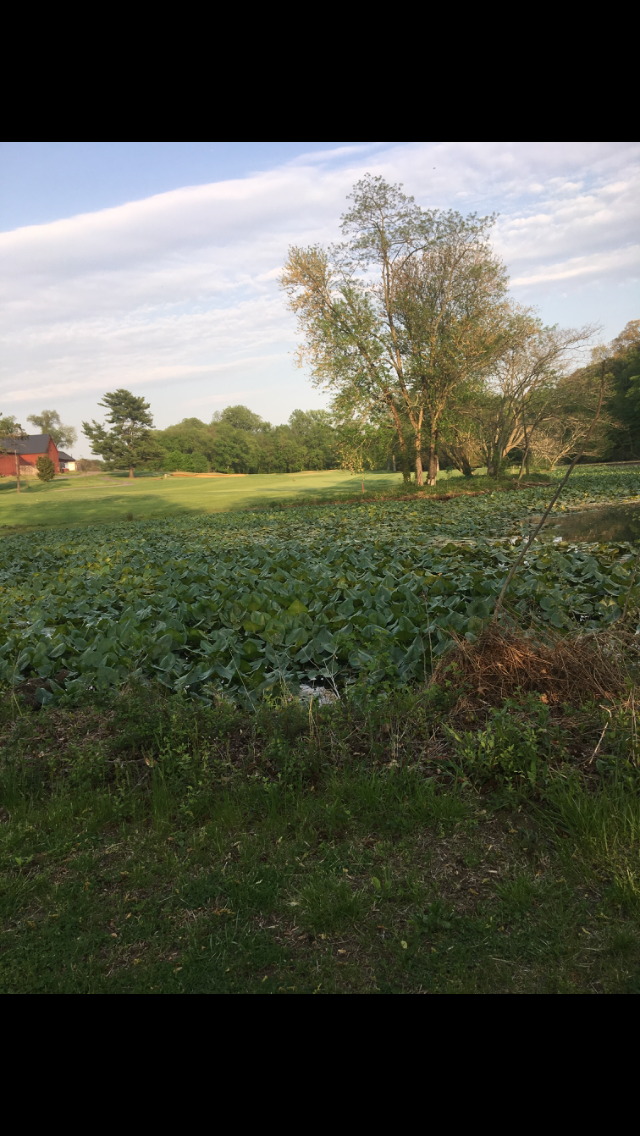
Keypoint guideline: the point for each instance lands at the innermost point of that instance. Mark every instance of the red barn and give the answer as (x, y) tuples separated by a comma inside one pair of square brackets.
[(28, 450)]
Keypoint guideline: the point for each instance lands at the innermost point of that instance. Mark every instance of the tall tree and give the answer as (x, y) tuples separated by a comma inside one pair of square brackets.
[(399, 314), (521, 391), (49, 422), (454, 318), (129, 443), (569, 416), (9, 426), (623, 362)]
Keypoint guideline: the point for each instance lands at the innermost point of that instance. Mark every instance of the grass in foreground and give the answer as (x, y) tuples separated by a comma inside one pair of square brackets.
[(150, 845)]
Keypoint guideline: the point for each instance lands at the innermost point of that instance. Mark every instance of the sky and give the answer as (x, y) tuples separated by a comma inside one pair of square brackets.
[(154, 265)]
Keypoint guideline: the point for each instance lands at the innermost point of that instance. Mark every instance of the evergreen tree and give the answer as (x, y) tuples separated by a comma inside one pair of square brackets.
[(46, 469), (129, 443)]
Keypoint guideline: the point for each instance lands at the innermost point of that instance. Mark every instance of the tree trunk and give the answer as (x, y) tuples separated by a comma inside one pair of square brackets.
[(131, 473), (527, 459), (404, 458), (460, 460), (525, 456), (433, 458), (17, 473), (419, 477)]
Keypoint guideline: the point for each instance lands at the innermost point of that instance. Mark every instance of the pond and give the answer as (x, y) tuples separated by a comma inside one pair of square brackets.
[(611, 523)]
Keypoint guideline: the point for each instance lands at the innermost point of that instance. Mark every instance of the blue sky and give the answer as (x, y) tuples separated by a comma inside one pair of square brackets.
[(43, 181), (154, 265)]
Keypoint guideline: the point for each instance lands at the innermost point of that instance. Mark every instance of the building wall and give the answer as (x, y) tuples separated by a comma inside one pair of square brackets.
[(7, 465), (27, 462), (53, 454)]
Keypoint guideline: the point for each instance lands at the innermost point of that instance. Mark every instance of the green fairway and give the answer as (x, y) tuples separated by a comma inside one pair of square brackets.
[(90, 500)]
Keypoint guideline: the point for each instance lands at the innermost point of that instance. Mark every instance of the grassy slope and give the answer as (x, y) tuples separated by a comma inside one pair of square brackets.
[(95, 499), (148, 847), (74, 500)]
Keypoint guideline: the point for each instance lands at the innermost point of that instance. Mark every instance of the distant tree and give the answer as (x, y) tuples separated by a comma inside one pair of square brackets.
[(521, 391), (86, 465), (628, 340), (45, 467), (49, 422), (186, 463), (129, 444), (190, 436), (314, 432), (200, 464), (10, 427), (11, 432), (234, 450), (172, 461), (623, 363), (361, 446), (240, 417), (569, 417)]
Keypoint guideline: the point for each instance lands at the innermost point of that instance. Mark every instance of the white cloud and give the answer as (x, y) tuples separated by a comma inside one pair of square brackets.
[(620, 262), (176, 296)]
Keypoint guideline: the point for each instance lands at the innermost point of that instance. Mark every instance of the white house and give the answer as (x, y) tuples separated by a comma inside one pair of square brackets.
[(67, 463)]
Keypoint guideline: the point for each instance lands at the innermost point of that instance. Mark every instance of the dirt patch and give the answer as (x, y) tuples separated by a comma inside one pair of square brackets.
[(30, 686)]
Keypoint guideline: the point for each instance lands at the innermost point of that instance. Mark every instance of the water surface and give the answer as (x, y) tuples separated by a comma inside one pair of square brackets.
[(609, 523)]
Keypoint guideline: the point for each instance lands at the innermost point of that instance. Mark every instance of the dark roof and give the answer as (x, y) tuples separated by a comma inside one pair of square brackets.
[(65, 457), (32, 444)]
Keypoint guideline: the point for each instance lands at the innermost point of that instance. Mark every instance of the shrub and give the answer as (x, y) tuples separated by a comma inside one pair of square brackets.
[(46, 469)]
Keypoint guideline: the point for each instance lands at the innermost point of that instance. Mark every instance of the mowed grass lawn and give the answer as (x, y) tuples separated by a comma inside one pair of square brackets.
[(76, 499)]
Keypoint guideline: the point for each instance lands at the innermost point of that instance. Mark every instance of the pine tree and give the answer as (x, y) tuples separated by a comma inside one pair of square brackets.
[(129, 444), (46, 469)]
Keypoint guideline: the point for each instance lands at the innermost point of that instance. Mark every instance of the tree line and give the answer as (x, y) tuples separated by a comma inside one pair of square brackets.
[(235, 441)]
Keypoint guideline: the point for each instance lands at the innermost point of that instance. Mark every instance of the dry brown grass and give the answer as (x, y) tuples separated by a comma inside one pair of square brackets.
[(504, 661)]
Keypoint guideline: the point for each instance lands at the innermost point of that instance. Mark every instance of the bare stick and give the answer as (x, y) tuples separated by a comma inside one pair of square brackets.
[(633, 580), (607, 724), (551, 504)]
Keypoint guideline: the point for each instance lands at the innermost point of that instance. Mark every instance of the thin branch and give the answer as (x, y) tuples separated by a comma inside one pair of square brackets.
[(633, 580), (549, 507), (607, 724)]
